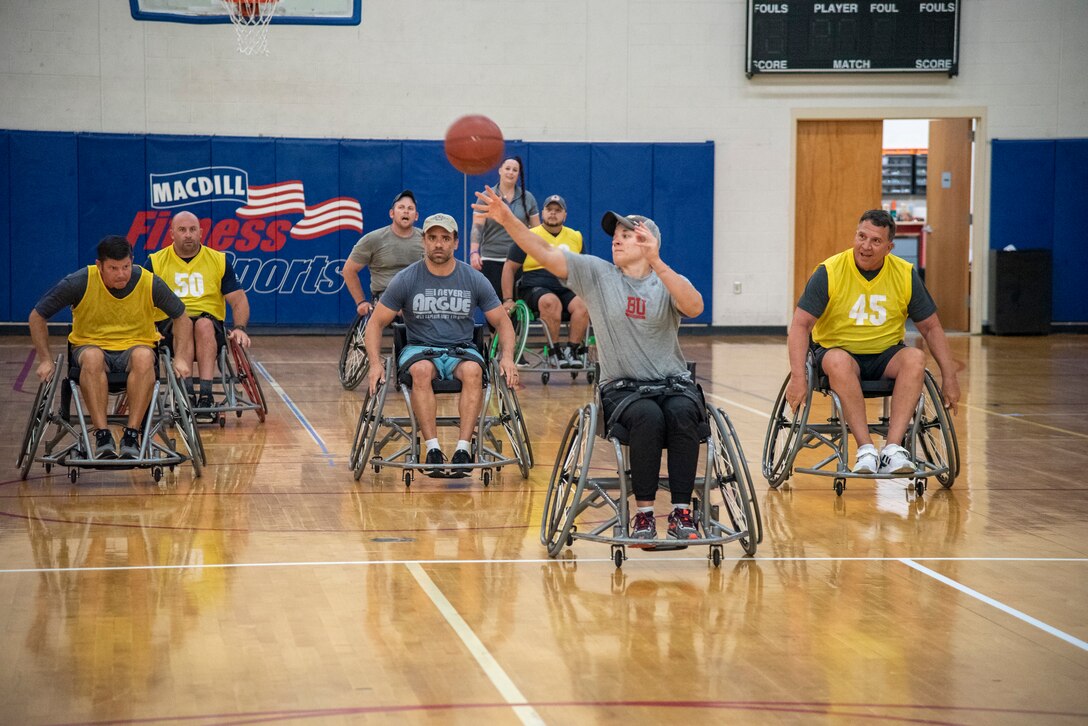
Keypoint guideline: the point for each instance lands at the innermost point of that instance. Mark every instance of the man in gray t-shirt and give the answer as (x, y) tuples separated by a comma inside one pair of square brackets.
[(438, 297), (635, 304), (386, 251)]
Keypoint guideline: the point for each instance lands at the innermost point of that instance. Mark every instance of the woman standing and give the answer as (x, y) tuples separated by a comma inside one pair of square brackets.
[(490, 241)]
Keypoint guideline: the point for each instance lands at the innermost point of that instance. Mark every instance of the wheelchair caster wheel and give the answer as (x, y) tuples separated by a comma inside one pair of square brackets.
[(73, 474), (618, 555), (486, 477), (840, 486), (545, 377), (716, 555), (919, 486), (570, 536), (590, 377), (48, 468), (407, 479), (223, 421), (156, 473), (574, 376)]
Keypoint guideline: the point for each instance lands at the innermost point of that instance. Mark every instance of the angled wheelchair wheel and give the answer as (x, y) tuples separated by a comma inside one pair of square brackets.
[(734, 486), (366, 429), (39, 420), (783, 438), (743, 473), (249, 380), (353, 363), (513, 421), (568, 477), (935, 437), (185, 420), (520, 316)]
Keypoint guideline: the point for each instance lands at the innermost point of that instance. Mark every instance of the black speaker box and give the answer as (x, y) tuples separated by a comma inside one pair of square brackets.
[(1020, 292)]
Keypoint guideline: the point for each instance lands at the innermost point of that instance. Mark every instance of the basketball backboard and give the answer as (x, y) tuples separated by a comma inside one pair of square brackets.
[(288, 12)]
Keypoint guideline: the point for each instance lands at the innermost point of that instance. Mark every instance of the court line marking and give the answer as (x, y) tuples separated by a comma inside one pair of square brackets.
[(736, 404), (534, 561), (498, 677), (998, 604), (295, 410)]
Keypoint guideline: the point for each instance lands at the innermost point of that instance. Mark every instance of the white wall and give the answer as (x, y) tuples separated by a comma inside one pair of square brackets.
[(567, 70)]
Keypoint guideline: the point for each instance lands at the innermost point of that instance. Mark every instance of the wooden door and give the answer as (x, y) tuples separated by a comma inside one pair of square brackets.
[(948, 218), (838, 178)]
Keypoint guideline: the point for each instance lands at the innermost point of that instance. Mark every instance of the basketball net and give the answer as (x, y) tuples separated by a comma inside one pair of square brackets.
[(250, 19)]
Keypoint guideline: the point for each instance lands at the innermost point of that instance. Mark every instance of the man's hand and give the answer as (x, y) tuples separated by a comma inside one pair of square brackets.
[(508, 306), (239, 336), (375, 376), (950, 392), (796, 391), (509, 370), (46, 369), (645, 240), (182, 368), (363, 308)]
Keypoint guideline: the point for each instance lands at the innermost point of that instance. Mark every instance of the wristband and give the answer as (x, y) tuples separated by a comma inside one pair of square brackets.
[(242, 328), (360, 303)]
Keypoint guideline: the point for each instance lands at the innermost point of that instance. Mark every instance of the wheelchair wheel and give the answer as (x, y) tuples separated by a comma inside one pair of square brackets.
[(743, 474), (729, 476), (783, 438), (39, 420), (353, 363), (513, 421), (568, 477), (366, 430), (520, 316), (249, 380), (935, 437), (186, 422)]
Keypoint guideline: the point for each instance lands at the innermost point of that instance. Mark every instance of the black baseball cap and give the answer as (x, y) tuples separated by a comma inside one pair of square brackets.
[(406, 193), (611, 219)]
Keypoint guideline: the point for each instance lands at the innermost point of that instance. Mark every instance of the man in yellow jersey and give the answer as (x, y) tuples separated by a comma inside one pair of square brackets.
[(852, 316), (113, 329), (543, 292), (205, 281)]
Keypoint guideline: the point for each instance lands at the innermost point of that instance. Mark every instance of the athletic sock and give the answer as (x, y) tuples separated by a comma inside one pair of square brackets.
[(432, 444), (205, 386), (462, 445)]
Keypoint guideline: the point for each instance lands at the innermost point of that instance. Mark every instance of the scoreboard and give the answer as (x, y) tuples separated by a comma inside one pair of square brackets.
[(894, 36)]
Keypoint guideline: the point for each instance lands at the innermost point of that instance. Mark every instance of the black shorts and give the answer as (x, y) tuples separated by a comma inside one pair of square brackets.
[(872, 364), (166, 329), (532, 295)]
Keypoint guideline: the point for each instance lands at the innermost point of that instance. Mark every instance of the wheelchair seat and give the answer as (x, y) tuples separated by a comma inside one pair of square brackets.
[(453, 385)]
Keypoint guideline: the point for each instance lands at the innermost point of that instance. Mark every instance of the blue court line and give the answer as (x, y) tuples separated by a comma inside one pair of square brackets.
[(999, 605), (294, 409)]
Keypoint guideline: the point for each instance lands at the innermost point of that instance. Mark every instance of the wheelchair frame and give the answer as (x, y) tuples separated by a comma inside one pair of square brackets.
[(930, 439), (235, 371), (572, 491), (70, 445), (374, 431)]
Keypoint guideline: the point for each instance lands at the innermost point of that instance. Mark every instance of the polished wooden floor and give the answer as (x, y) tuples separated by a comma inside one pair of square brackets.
[(277, 589)]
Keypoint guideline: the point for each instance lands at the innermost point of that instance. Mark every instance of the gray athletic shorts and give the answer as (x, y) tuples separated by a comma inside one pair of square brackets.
[(116, 360)]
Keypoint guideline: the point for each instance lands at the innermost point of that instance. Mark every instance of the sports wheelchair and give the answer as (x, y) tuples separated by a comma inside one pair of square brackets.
[(70, 444), (237, 388), (394, 441), (539, 357), (819, 425), (724, 488), (354, 366)]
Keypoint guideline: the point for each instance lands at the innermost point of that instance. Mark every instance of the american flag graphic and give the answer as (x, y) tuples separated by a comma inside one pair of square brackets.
[(289, 198)]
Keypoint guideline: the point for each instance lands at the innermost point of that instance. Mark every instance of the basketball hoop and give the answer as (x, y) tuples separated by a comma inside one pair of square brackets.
[(250, 19)]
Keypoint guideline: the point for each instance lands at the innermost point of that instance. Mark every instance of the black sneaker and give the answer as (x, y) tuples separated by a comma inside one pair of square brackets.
[(204, 417), (130, 444), (460, 457), (104, 448), (435, 456), (566, 357)]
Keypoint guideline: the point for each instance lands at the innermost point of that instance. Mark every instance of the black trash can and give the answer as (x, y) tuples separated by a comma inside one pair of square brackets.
[(1020, 292)]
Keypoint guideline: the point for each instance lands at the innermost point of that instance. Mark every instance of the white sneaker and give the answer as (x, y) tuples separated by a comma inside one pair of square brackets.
[(866, 461), (895, 460)]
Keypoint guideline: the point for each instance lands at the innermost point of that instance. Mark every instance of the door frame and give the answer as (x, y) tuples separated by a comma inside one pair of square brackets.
[(980, 197)]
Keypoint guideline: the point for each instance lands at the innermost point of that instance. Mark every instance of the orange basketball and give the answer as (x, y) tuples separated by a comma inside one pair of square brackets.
[(474, 144)]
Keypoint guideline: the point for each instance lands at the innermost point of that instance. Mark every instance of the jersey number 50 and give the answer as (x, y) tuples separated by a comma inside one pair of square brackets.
[(188, 284)]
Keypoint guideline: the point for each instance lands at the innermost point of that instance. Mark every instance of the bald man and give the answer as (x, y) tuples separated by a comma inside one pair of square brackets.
[(205, 281)]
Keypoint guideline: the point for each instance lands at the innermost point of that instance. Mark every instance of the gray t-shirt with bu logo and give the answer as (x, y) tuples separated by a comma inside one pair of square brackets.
[(635, 321), (439, 310)]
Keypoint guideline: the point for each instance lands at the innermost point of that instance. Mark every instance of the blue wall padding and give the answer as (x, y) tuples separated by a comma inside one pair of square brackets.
[(1037, 188), (44, 227), (1022, 195), (62, 192), (1070, 241)]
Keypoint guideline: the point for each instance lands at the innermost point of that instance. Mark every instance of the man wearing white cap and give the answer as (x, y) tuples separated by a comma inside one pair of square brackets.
[(438, 296), (636, 303)]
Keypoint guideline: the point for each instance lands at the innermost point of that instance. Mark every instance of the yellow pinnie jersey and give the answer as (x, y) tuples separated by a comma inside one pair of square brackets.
[(864, 316), (567, 239), (113, 323), (196, 282)]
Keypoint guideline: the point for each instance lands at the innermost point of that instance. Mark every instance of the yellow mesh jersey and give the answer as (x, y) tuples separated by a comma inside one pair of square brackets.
[(113, 323), (567, 239), (196, 282), (864, 316)]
